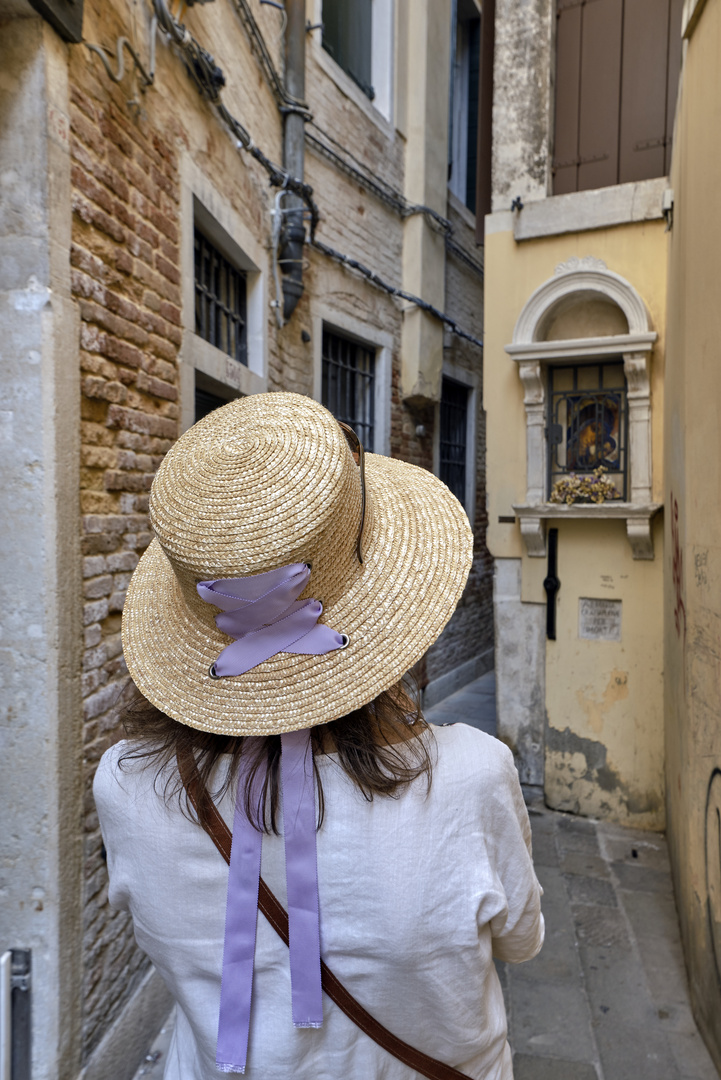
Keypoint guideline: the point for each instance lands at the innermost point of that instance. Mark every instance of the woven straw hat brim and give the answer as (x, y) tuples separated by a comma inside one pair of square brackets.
[(418, 548)]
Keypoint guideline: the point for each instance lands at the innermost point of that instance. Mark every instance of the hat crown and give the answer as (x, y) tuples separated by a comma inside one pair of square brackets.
[(262, 482)]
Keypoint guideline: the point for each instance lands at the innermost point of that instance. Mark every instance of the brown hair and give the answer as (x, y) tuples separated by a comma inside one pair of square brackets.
[(379, 746)]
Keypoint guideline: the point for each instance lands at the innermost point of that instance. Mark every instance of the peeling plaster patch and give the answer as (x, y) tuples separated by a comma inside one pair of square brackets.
[(521, 100), (580, 780), (33, 298), (595, 711), (567, 742)]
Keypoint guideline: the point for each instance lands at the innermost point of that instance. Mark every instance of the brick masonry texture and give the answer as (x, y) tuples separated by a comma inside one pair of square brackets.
[(126, 280), (127, 277)]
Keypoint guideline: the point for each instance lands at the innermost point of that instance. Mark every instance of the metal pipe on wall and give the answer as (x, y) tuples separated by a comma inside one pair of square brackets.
[(293, 233)]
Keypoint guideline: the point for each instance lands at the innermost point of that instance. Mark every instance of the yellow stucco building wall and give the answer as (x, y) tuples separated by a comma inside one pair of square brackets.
[(603, 700), (693, 520)]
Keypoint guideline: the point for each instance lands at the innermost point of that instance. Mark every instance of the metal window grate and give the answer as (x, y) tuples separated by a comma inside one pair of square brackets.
[(454, 437), (220, 300), (588, 422), (349, 384), (206, 402)]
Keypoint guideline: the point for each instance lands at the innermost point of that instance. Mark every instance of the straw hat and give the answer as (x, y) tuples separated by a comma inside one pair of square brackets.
[(263, 482)]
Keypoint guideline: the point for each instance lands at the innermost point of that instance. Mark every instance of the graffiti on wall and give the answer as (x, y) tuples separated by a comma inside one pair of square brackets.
[(713, 863), (679, 609)]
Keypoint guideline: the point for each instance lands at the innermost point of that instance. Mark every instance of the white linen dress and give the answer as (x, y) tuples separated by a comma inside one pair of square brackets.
[(417, 895)]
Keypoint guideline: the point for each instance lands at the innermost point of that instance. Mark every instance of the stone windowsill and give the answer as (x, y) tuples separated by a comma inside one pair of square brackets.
[(636, 515), (600, 208)]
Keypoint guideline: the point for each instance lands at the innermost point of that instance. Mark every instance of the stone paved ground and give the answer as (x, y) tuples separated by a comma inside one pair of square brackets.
[(606, 998)]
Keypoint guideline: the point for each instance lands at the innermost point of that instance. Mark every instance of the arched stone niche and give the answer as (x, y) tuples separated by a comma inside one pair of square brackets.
[(586, 313)]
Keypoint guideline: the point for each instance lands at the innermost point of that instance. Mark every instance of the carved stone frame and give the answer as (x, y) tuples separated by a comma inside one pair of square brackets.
[(584, 278)]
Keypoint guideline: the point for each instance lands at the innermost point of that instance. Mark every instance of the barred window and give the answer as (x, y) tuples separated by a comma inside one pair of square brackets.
[(206, 402), (454, 437), (588, 421), (348, 383), (220, 300)]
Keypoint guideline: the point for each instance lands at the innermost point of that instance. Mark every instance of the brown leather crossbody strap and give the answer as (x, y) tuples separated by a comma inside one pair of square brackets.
[(277, 916)]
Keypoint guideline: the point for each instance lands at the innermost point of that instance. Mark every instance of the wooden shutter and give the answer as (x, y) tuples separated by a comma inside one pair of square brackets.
[(601, 37), (347, 26), (642, 139), (474, 60), (568, 87), (485, 117), (674, 70), (617, 69), (360, 15)]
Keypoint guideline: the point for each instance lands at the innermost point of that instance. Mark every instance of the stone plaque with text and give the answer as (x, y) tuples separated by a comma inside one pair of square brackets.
[(599, 620)]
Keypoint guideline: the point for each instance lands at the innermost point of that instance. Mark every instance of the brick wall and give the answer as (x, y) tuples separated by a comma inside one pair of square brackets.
[(125, 276)]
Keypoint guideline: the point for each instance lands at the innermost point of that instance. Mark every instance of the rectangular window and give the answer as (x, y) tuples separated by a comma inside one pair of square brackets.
[(348, 388), (220, 300), (206, 402), (588, 422), (347, 36), (465, 70), (454, 437), (617, 69)]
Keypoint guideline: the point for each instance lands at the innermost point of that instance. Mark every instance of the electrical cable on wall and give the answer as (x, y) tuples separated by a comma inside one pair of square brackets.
[(370, 275), (209, 80)]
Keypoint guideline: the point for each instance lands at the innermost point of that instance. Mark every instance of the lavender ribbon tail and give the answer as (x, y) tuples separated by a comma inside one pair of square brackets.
[(301, 868), (239, 948)]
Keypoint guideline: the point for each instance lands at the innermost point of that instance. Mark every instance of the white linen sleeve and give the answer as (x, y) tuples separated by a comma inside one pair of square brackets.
[(110, 799), (516, 931)]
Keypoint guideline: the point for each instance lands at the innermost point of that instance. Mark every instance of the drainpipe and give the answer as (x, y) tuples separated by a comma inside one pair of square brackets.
[(293, 234)]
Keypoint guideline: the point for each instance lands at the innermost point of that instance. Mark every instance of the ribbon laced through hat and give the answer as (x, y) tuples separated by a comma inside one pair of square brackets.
[(290, 582)]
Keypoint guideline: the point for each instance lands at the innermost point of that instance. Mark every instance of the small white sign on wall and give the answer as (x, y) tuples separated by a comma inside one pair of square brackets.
[(599, 620)]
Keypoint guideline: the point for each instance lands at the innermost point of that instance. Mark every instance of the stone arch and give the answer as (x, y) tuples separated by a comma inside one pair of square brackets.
[(580, 279)]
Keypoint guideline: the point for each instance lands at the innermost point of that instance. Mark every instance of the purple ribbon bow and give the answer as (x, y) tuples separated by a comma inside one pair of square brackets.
[(263, 615), (261, 612), (299, 827)]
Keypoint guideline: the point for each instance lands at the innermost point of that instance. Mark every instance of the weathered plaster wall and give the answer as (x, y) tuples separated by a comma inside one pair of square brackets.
[(522, 101), (617, 771), (604, 699), (520, 671), (40, 879), (692, 607)]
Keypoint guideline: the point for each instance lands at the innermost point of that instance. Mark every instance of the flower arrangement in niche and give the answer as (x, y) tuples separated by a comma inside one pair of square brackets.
[(588, 488)]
